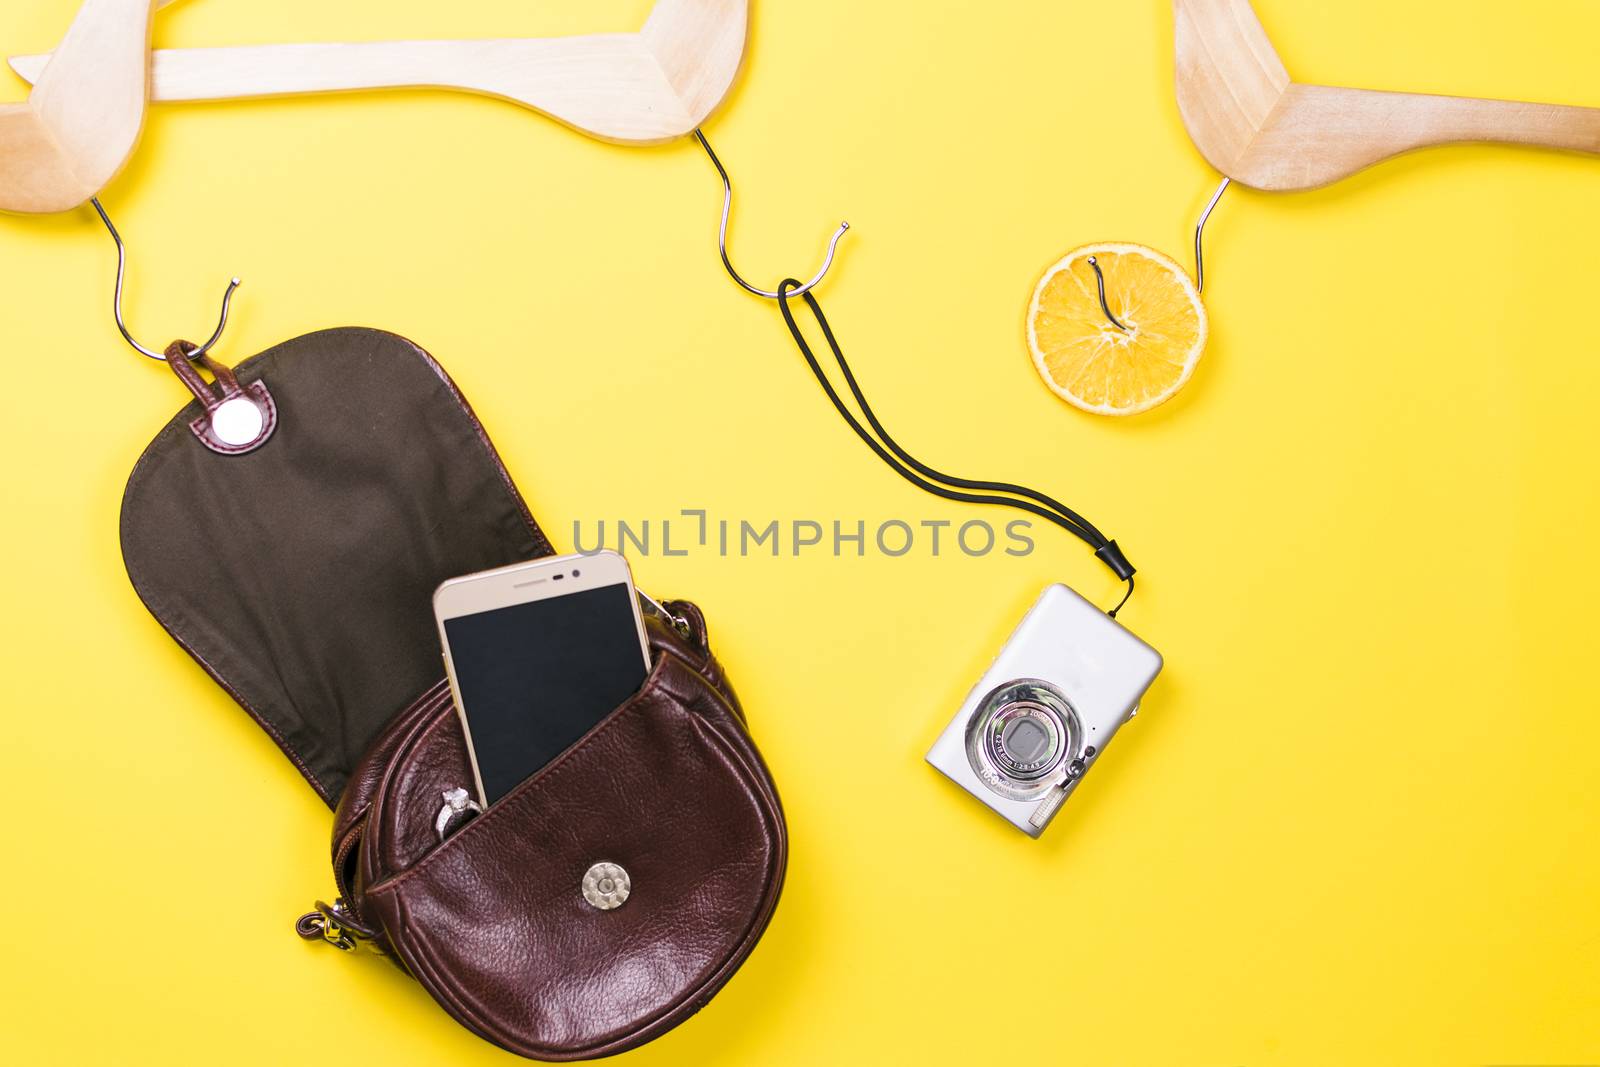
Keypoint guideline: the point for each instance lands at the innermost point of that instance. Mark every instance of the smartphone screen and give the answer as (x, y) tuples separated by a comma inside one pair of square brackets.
[(536, 676)]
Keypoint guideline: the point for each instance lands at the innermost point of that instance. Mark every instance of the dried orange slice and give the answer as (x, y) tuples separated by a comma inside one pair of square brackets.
[(1093, 363)]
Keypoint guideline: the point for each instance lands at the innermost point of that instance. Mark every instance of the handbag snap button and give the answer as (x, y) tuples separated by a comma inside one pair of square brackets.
[(238, 421), (606, 886)]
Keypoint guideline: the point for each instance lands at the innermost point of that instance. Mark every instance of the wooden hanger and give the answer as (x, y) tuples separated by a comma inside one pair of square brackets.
[(1257, 126), (78, 127), (635, 88)]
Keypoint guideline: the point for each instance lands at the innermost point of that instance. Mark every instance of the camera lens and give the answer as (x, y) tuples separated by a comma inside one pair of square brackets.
[(1025, 740), (1021, 735)]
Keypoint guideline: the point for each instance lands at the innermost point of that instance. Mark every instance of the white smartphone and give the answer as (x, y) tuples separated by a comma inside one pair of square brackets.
[(537, 654)]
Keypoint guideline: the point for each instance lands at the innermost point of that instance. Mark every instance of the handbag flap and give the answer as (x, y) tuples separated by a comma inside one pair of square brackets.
[(300, 575)]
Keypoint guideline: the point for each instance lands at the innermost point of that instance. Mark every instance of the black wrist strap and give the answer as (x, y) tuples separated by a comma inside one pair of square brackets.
[(934, 481)]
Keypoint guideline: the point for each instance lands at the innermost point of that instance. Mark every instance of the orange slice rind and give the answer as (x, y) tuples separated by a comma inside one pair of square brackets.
[(1092, 363)]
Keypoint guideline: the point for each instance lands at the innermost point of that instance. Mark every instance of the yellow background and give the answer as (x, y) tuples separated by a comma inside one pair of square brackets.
[(1357, 820)]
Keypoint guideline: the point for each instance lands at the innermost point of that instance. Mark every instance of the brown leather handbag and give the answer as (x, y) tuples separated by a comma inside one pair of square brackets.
[(297, 567)]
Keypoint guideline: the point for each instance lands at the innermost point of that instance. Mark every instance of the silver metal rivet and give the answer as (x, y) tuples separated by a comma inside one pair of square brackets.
[(237, 421), (606, 886)]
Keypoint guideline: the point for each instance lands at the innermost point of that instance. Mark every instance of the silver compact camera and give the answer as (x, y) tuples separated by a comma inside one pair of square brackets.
[(1067, 679)]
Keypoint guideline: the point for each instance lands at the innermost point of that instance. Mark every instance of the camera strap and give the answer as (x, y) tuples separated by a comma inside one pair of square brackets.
[(928, 479)]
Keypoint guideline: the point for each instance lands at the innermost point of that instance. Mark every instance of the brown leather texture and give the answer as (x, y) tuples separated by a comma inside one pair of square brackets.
[(303, 587), (493, 922)]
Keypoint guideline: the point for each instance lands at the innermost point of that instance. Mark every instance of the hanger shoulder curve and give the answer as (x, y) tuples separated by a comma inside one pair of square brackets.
[(79, 126), (1259, 127), (633, 88), (700, 47), (1322, 133)]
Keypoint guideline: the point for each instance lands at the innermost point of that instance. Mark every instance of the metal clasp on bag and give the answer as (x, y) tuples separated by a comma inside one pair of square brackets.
[(333, 924), (659, 610)]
